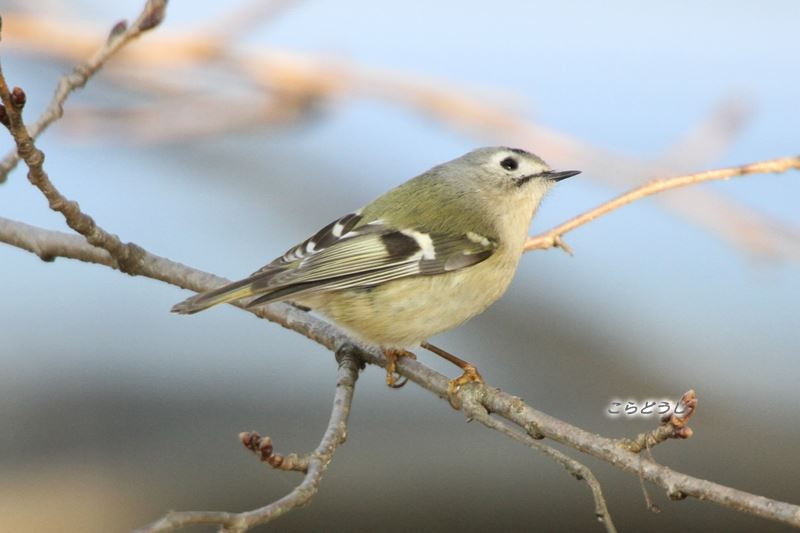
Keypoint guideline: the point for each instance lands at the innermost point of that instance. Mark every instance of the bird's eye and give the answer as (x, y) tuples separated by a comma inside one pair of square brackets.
[(509, 163)]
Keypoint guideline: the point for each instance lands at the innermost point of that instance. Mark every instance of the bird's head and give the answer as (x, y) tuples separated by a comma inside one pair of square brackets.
[(509, 171)]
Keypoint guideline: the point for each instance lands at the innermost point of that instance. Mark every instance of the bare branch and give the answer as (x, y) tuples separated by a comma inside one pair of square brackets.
[(476, 411), (553, 237), (511, 408), (677, 485), (125, 255), (121, 34), (264, 450), (49, 245), (673, 426), (315, 464)]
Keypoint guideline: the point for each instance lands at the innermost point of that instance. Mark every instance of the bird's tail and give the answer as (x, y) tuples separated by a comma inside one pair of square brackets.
[(227, 293)]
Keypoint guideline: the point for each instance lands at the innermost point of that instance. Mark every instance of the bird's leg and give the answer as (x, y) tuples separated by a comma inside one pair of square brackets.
[(391, 366), (470, 374)]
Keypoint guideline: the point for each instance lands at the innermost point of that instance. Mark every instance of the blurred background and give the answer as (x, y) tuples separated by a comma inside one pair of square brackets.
[(232, 132)]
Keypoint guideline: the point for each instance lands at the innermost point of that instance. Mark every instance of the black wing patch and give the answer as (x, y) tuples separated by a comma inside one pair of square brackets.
[(378, 255), (400, 245)]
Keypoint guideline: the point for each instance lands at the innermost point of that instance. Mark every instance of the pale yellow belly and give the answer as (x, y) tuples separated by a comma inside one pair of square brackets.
[(405, 312)]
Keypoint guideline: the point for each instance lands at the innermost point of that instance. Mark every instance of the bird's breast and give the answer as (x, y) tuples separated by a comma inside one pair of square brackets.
[(404, 312)]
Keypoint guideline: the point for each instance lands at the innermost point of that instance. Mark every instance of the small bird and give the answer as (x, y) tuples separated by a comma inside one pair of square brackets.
[(421, 259)]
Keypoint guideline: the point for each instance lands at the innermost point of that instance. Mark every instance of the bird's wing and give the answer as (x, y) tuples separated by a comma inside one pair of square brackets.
[(345, 255)]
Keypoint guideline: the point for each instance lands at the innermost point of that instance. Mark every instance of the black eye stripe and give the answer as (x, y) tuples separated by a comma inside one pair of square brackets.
[(509, 163)]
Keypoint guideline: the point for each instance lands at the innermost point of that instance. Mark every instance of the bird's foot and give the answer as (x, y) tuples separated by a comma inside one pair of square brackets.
[(470, 375), (393, 379)]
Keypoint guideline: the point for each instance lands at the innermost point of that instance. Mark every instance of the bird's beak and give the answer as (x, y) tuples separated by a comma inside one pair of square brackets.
[(558, 175)]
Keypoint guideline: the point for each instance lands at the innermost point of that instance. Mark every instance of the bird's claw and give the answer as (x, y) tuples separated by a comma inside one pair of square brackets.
[(393, 379), (470, 375)]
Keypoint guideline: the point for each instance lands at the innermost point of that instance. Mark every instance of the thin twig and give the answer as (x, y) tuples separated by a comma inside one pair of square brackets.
[(673, 426), (511, 408), (126, 255), (553, 237), (317, 463), (264, 450), (121, 34), (476, 411)]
